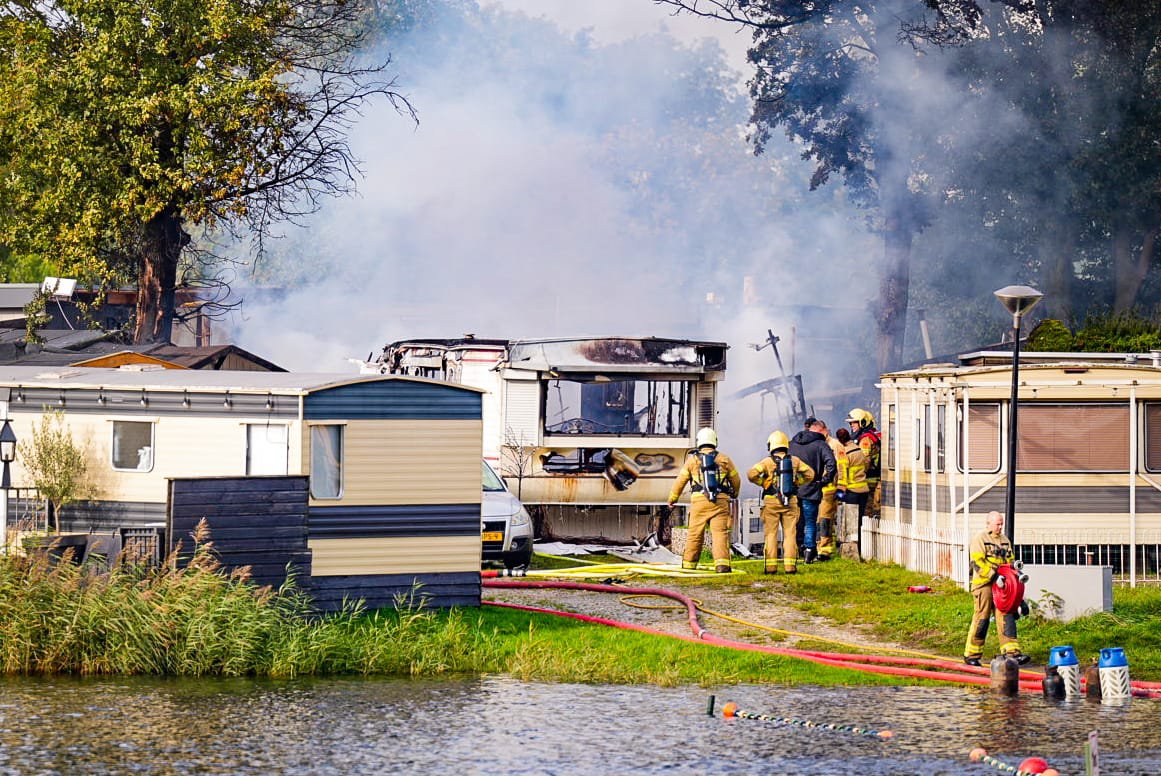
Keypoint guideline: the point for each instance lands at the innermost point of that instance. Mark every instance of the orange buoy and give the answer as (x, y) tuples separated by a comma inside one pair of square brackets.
[(729, 709), (978, 754), (1034, 765)]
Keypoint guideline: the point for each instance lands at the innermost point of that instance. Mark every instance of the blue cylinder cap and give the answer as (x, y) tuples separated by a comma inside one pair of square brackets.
[(1062, 656), (1113, 657)]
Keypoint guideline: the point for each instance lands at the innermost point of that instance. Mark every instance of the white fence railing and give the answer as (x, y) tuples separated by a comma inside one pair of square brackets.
[(917, 547), (942, 551)]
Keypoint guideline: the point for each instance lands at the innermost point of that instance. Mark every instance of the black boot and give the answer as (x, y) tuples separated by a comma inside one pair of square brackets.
[(809, 555)]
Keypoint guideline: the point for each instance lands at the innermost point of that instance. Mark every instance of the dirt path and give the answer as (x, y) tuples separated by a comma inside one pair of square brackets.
[(761, 602)]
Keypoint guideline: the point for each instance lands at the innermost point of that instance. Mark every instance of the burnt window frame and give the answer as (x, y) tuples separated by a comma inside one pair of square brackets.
[(689, 401)]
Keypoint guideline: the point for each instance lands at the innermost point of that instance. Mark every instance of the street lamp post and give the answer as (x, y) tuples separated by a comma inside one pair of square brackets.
[(1018, 300), (7, 456)]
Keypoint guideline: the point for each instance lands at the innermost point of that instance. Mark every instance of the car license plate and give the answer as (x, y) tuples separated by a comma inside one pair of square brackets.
[(493, 536)]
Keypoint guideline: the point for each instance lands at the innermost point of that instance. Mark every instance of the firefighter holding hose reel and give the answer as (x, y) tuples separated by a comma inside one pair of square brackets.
[(779, 475), (997, 585), (713, 481)]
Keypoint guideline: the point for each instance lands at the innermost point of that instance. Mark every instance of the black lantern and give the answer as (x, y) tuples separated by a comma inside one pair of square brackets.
[(7, 452), (1018, 300)]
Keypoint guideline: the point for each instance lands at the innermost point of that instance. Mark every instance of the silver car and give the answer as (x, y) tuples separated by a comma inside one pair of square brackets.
[(507, 528)]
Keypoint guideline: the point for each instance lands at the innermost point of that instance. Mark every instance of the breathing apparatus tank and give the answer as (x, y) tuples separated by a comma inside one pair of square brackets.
[(786, 489), (710, 474)]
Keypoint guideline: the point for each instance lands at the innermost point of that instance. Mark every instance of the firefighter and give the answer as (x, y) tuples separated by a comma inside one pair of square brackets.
[(828, 507), (989, 550), (779, 502), (852, 483), (713, 481), (869, 440)]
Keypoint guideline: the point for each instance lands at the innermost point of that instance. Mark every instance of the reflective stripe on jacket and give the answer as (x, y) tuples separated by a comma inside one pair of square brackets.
[(988, 551), (852, 472), (764, 474)]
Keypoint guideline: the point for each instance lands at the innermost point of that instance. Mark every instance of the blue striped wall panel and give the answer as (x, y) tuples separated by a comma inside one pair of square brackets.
[(393, 400), (389, 591), (352, 522)]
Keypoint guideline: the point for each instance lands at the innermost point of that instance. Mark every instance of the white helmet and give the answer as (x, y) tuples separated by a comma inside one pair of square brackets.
[(707, 437)]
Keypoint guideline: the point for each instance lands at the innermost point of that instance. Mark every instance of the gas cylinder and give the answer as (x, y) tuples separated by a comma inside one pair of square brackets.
[(1068, 666), (1053, 683), (1092, 681), (1005, 675), (1114, 671)]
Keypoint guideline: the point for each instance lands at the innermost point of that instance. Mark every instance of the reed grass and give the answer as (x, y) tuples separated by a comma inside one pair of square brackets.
[(57, 617)]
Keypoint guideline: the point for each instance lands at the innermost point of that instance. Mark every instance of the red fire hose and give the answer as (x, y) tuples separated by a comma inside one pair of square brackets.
[(949, 671), (1008, 589)]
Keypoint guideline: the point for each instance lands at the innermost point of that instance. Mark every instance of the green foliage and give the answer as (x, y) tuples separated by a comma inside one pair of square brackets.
[(1050, 336), (36, 316), (123, 124), (1128, 332), (56, 464), (56, 617)]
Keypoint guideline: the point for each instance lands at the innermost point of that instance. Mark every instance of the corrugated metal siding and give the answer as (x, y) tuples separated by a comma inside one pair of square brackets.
[(393, 399), (394, 521), (407, 462), (103, 515), (401, 555), (522, 412), (413, 590)]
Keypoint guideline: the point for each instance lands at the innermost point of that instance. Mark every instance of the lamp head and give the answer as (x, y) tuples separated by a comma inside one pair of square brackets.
[(7, 443), (1019, 299)]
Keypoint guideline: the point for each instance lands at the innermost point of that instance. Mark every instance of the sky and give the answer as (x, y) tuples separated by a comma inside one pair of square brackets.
[(578, 169)]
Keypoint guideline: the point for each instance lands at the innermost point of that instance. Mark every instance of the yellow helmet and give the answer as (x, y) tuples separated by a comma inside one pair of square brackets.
[(707, 437), (862, 417), (778, 440)]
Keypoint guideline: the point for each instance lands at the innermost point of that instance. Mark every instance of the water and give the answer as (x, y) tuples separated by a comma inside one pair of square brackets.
[(495, 725)]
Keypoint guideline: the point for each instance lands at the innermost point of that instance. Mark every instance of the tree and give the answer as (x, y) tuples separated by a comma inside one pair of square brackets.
[(56, 464), (126, 128)]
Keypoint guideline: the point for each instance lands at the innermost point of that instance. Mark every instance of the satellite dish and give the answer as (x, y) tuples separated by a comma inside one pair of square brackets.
[(59, 288)]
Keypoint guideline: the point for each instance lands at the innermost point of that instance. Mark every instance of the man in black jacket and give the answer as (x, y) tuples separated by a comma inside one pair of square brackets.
[(811, 447)]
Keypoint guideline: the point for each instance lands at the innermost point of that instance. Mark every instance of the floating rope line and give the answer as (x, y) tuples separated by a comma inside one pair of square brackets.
[(731, 710), (1033, 766)]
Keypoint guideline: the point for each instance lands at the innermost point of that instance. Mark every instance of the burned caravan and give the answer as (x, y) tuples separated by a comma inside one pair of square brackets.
[(588, 432)]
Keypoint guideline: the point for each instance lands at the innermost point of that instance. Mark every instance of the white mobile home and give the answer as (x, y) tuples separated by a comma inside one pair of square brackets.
[(1088, 460), (589, 432), (393, 463)]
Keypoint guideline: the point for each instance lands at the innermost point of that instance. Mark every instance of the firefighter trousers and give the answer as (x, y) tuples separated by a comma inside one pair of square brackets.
[(981, 618), (715, 515), (775, 515)]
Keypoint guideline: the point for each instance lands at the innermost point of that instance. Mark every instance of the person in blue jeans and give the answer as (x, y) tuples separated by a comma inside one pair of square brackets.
[(811, 447)]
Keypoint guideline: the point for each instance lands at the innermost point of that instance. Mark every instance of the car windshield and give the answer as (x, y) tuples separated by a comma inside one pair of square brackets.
[(492, 481)]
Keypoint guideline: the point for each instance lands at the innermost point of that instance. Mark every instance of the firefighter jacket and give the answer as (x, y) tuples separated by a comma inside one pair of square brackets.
[(987, 552), (764, 474), (870, 442), (852, 470), (839, 452), (691, 474), (811, 447)]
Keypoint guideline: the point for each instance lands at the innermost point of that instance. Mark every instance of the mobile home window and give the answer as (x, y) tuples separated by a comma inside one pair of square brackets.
[(1073, 437), (1153, 437), (890, 440), (983, 436), (602, 406), (941, 438), (267, 449), (326, 461), (926, 437), (132, 446)]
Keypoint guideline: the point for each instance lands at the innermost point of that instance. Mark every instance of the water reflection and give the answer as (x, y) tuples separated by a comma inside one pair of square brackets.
[(489, 725)]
